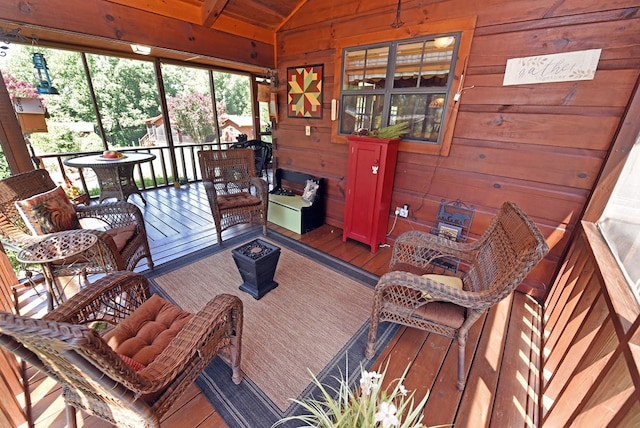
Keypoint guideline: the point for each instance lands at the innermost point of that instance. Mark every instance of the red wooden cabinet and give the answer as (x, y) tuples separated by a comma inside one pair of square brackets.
[(371, 169)]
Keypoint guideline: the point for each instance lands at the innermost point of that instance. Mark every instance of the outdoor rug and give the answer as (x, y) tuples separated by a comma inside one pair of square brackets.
[(316, 320)]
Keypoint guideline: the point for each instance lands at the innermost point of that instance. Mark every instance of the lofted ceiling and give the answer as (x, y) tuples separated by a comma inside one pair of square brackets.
[(256, 19)]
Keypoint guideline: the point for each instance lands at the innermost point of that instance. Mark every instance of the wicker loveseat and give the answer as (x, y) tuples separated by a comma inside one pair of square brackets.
[(133, 373)]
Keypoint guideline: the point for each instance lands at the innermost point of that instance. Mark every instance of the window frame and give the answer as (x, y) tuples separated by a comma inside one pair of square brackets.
[(462, 27)]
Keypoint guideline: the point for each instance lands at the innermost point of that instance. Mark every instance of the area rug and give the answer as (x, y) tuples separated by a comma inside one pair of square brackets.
[(315, 321)]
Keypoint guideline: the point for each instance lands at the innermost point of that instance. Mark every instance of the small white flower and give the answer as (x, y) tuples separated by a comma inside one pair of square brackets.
[(387, 415), (367, 381), (402, 390)]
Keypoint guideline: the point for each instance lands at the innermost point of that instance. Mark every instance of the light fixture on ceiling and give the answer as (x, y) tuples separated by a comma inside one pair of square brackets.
[(443, 42), (140, 49), (42, 74)]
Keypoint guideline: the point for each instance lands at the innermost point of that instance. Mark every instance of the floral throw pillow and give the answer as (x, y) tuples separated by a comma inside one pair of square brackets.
[(310, 189), (49, 212)]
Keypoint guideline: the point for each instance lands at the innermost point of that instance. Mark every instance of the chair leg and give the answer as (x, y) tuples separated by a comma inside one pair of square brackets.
[(71, 416), (462, 340), (370, 350)]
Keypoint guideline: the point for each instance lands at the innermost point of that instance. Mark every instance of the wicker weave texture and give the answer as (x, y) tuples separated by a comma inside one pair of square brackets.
[(95, 378), (15, 233), (492, 267), (236, 195)]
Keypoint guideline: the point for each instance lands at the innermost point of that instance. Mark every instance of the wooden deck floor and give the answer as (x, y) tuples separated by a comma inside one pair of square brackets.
[(502, 349)]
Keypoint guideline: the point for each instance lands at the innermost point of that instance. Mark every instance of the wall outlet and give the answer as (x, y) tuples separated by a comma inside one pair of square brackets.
[(307, 130), (403, 211)]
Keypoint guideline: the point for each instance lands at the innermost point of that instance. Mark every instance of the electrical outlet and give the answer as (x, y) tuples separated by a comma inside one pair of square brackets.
[(403, 211), (307, 130)]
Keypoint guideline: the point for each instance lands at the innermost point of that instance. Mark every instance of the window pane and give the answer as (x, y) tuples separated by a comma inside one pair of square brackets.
[(361, 111), (127, 97), (190, 105), (620, 222), (424, 63), (233, 100), (422, 111), (366, 69)]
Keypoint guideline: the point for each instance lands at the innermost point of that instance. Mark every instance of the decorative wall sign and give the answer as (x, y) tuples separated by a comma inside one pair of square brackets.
[(304, 96), (579, 65)]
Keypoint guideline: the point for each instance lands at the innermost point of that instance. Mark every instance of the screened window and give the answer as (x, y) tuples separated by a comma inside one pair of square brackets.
[(620, 221), (403, 81)]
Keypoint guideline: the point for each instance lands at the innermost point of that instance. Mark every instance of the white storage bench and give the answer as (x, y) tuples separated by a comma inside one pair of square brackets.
[(286, 206)]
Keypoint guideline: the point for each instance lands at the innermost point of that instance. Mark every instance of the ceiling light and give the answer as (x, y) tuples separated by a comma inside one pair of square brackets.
[(140, 49), (443, 42)]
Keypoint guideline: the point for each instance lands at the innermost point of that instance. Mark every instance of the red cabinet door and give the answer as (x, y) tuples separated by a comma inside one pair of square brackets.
[(369, 185)]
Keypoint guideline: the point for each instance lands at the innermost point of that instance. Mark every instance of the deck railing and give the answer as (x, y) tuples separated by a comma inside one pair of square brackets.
[(150, 175)]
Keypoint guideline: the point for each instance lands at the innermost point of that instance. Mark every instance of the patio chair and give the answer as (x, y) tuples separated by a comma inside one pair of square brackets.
[(236, 195), (415, 294), (119, 226), (262, 153), (149, 351)]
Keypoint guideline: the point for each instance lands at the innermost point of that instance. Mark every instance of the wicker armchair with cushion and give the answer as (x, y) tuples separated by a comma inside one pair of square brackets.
[(415, 294), (119, 226), (148, 355), (236, 195)]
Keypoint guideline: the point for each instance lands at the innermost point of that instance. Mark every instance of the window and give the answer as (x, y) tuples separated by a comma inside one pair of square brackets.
[(620, 221), (402, 81), (406, 87)]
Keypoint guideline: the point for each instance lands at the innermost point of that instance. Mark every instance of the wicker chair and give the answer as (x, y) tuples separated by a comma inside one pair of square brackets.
[(105, 382), (491, 268), (15, 233), (236, 195)]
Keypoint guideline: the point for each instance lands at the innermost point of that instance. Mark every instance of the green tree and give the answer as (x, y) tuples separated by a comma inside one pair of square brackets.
[(234, 91)]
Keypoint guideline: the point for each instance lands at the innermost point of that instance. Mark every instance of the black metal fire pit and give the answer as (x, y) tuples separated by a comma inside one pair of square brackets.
[(257, 262)]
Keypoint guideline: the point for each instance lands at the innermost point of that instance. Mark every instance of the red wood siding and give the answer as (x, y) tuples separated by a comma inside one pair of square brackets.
[(541, 146)]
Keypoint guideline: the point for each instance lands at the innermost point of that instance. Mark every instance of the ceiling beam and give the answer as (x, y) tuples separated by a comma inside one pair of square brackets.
[(211, 10), (99, 18)]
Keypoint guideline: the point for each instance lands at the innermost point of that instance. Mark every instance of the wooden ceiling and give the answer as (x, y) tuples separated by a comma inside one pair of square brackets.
[(256, 19)]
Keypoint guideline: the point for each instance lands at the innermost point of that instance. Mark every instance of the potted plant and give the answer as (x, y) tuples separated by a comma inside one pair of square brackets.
[(368, 406), (389, 132)]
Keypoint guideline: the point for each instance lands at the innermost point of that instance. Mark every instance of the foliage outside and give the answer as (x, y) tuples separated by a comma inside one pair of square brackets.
[(368, 406), (127, 97)]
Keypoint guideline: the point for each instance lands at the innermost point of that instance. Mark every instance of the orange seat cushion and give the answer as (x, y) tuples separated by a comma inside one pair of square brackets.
[(145, 333), (237, 200), (122, 235)]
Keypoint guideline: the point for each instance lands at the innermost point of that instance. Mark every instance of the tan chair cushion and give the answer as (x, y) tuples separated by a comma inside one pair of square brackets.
[(122, 235), (445, 313), (48, 212), (237, 200), (450, 281), (148, 330)]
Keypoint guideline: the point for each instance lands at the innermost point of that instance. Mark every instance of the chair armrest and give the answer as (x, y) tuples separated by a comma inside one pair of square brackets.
[(114, 214), (215, 327), (421, 248), (428, 290), (262, 190), (110, 299)]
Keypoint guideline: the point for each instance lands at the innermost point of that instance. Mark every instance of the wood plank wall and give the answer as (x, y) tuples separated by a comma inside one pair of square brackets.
[(590, 372), (541, 146)]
